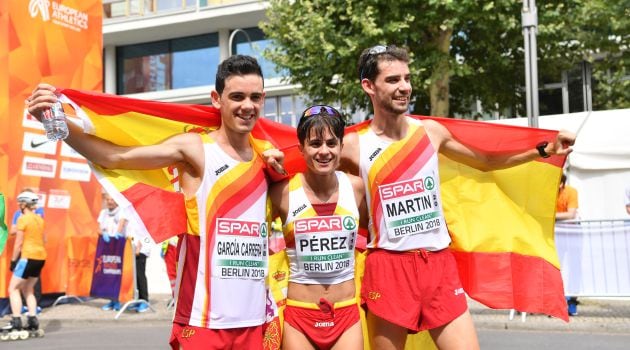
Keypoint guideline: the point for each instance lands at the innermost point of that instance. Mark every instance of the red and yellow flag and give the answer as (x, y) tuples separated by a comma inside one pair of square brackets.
[(501, 221)]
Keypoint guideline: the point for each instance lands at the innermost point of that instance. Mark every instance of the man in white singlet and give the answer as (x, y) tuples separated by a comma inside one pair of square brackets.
[(221, 301), (397, 158)]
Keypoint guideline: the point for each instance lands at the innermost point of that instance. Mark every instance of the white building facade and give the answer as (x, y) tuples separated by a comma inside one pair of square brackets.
[(169, 50)]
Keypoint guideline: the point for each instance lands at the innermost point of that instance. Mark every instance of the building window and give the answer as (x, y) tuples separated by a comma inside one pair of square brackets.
[(166, 5), (127, 8), (550, 101), (167, 64), (241, 45), (285, 109)]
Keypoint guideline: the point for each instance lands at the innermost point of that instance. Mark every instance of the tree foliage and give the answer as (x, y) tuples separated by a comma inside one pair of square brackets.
[(318, 42)]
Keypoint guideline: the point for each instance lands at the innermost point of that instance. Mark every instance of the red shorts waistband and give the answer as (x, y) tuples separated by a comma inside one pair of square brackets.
[(409, 252)]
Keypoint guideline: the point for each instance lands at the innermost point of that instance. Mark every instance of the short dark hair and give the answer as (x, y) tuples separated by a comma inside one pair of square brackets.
[(368, 61), (327, 118), (236, 65)]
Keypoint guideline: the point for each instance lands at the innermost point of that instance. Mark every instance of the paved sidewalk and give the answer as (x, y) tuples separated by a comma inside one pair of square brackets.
[(595, 315)]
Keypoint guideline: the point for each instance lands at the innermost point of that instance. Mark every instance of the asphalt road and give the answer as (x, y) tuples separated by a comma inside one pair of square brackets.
[(136, 336)]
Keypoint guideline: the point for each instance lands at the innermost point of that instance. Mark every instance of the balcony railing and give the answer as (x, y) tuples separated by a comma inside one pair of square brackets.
[(133, 8)]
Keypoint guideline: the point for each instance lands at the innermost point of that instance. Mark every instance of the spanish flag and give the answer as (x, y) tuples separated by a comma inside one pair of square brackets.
[(501, 222)]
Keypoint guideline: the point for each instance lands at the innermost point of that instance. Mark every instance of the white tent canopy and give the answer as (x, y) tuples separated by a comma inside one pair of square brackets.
[(599, 167)]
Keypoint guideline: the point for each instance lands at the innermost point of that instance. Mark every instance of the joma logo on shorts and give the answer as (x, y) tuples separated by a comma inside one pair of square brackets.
[(459, 291), (324, 324)]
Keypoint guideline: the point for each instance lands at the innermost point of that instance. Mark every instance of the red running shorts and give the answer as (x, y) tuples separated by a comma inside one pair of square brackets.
[(193, 338), (322, 323), (418, 289)]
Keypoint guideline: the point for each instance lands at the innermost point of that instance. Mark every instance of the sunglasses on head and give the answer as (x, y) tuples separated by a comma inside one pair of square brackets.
[(320, 110), (378, 49), (373, 51)]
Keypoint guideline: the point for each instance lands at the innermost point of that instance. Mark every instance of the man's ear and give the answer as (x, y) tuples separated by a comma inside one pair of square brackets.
[(368, 86), (216, 99)]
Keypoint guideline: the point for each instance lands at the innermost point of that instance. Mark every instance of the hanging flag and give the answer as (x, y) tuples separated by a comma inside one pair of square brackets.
[(501, 221), (3, 226), (151, 197)]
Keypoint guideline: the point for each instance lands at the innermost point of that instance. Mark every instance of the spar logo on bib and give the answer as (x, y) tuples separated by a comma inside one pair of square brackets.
[(319, 224), (241, 228), (405, 188), (349, 223)]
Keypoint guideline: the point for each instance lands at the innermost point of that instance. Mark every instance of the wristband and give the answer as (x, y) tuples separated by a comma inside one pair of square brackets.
[(541, 149)]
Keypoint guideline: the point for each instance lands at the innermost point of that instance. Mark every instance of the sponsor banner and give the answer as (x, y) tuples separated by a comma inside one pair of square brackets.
[(38, 143), (28, 121), (58, 42), (39, 167), (75, 171), (59, 199), (67, 151), (108, 268), (81, 252)]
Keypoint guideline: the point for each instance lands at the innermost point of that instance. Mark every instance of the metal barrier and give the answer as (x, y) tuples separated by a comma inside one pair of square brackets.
[(594, 257)]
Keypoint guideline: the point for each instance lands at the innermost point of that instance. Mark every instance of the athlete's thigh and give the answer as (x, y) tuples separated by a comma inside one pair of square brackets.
[(384, 334), (457, 334), (294, 339), (351, 339)]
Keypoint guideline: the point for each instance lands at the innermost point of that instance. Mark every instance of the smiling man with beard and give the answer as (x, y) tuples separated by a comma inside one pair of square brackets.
[(396, 156)]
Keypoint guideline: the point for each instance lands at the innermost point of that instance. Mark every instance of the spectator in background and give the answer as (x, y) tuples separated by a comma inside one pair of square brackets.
[(566, 209), (13, 230), (27, 260), (38, 210), (111, 225), (142, 251), (567, 203)]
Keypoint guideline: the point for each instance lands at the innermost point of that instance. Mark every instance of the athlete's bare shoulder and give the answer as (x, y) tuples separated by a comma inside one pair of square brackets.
[(349, 161), (279, 197)]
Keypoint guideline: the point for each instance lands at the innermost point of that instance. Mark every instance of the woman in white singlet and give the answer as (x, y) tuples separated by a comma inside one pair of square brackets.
[(321, 211)]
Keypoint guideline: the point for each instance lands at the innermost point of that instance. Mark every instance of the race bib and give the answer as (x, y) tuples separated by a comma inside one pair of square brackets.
[(240, 249), (410, 207), (325, 244)]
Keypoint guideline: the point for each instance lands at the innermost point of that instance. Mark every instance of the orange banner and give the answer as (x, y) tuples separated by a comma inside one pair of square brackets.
[(81, 251), (127, 283), (57, 42)]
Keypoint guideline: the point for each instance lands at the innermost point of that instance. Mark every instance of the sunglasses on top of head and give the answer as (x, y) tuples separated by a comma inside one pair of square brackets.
[(320, 110)]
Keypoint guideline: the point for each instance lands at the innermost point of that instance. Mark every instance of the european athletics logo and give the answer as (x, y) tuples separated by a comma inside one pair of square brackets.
[(40, 6)]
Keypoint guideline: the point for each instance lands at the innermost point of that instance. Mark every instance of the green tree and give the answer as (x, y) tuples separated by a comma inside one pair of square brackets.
[(461, 51)]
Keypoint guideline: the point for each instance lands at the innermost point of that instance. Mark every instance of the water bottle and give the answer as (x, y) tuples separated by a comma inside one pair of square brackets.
[(54, 120)]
